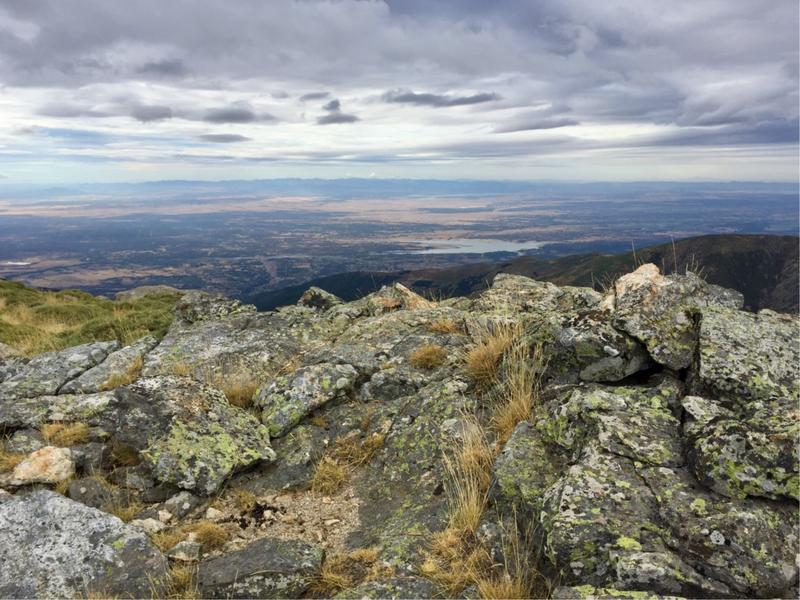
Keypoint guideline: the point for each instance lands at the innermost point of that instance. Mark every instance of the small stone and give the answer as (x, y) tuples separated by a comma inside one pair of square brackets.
[(330, 522), (185, 551), (148, 525), (212, 514), (46, 465), (164, 516)]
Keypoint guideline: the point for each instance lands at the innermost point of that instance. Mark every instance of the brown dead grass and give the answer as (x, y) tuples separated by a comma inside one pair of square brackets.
[(168, 538), (240, 392), (521, 385), (124, 455), (9, 460), (348, 570), (65, 434), (351, 450), (130, 375), (124, 510), (208, 534), (483, 359), (428, 357), (244, 500), (444, 326), (182, 582), (329, 476), (181, 369)]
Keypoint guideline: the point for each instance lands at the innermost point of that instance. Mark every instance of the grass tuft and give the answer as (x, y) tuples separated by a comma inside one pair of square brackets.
[(181, 583), (483, 359), (9, 460), (243, 499), (124, 455), (521, 384), (329, 476), (130, 375), (124, 510), (444, 326), (65, 434), (347, 570), (181, 369), (210, 535), (428, 357)]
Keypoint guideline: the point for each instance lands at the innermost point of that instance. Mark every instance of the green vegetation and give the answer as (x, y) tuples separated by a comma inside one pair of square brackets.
[(34, 321)]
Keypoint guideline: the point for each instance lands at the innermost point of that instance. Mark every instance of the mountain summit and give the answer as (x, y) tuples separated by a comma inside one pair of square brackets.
[(530, 441)]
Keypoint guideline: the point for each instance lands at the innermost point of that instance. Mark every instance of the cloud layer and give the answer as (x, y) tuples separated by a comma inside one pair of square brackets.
[(576, 89)]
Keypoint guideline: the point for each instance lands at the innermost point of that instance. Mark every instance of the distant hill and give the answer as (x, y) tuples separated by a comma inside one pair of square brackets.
[(763, 267)]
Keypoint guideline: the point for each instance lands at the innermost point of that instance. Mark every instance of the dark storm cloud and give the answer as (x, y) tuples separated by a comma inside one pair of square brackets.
[(223, 138), (164, 68), (151, 112), (437, 100), (314, 96), (335, 114), (230, 115)]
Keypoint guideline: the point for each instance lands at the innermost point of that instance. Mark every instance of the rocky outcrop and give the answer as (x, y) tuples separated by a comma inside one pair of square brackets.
[(660, 458), (51, 546)]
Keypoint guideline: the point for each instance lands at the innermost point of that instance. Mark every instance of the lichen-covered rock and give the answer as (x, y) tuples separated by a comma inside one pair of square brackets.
[(25, 441), (660, 311), (197, 306), (751, 452), (291, 397), (267, 568), (45, 374), (188, 433), (46, 465), (117, 364), (752, 357), (396, 588), (51, 546), (318, 298)]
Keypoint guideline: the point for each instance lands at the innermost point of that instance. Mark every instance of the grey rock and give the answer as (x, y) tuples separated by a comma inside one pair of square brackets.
[(395, 588), (143, 291), (45, 374), (318, 298), (117, 363), (185, 551), (289, 398), (25, 441), (93, 492), (51, 546), (267, 568)]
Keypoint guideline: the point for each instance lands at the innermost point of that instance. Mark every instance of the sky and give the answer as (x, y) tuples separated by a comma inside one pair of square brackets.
[(136, 90)]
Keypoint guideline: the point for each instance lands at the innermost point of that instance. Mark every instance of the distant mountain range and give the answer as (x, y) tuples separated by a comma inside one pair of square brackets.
[(763, 267)]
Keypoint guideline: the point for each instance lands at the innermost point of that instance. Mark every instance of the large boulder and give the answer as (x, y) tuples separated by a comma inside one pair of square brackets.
[(51, 546), (124, 362), (46, 465), (266, 568), (291, 397), (660, 311), (47, 373)]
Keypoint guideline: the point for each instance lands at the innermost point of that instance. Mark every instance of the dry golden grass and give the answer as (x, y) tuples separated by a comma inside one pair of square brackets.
[(428, 357), (519, 393), (124, 510), (62, 486), (483, 359), (469, 473), (210, 535), (243, 499), (240, 391), (181, 369), (343, 571), (9, 460), (318, 421), (456, 561), (128, 376), (444, 326), (181, 583), (329, 476), (168, 538), (124, 455), (351, 451), (65, 434)]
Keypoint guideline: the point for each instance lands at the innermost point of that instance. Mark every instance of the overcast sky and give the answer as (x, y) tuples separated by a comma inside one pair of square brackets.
[(113, 90)]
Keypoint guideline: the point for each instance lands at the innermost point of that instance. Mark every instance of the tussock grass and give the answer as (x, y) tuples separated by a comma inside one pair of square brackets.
[(519, 392), (350, 450), (9, 460), (182, 582), (428, 357), (168, 538), (65, 434), (243, 499), (329, 476), (124, 510), (181, 369), (35, 321), (124, 455), (208, 534), (130, 375), (347, 570), (240, 391), (483, 359), (444, 325)]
